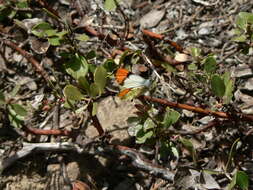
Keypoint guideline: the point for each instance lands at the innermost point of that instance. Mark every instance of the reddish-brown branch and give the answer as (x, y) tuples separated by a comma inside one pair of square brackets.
[(161, 37), (157, 53), (56, 132), (95, 121), (245, 117), (29, 57), (100, 36)]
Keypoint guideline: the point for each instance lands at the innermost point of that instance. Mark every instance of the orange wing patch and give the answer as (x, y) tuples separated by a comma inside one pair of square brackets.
[(124, 92), (121, 75)]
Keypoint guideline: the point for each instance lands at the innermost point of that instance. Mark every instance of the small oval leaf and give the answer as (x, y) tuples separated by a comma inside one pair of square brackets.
[(218, 86), (72, 93), (19, 109)]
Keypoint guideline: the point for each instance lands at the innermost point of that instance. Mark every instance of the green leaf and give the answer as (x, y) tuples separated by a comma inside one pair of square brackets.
[(91, 54), (77, 66), (94, 108), (229, 83), (92, 68), (110, 5), (142, 136), (242, 180), (137, 128), (54, 41), (69, 103), (165, 65), (94, 90), (15, 90), (164, 149), (167, 148), (110, 65), (15, 119), (148, 124), (22, 4), (192, 67), (51, 32), (61, 34), (171, 117), (19, 109), (241, 21), (82, 37), (241, 38), (189, 146), (195, 52), (2, 98), (82, 81), (72, 93), (210, 64), (100, 78), (39, 29), (42, 26), (247, 17), (217, 85), (226, 77)]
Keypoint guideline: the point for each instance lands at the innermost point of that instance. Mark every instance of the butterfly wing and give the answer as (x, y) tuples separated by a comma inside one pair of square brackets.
[(124, 92), (135, 81), (121, 75)]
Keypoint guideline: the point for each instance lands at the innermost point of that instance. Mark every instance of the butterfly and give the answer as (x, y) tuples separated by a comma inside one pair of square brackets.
[(130, 81)]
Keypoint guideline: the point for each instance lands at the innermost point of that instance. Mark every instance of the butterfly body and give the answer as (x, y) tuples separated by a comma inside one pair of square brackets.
[(130, 81)]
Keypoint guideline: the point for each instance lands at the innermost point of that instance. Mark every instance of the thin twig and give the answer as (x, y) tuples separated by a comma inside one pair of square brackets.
[(56, 132), (245, 117), (95, 120), (30, 58), (161, 37)]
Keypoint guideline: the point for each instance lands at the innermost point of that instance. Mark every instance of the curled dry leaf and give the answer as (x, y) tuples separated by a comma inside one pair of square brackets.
[(181, 57)]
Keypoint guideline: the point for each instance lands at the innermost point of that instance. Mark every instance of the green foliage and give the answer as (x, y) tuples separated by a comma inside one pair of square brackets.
[(94, 108), (82, 37), (7, 12), (217, 85), (110, 65), (168, 148), (72, 93), (189, 146), (144, 132), (232, 152), (100, 78), (210, 64), (110, 5), (239, 179), (221, 86), (19, 109), (171, 117), (45, 30), (195, 52), (16, 114), (244, 30), (77, 66)]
